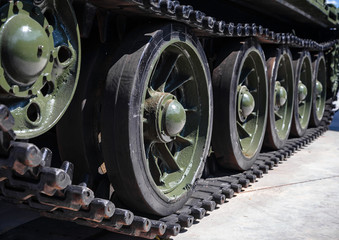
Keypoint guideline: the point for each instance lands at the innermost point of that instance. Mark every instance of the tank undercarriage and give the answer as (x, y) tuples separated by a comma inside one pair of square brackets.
[(174, 111)]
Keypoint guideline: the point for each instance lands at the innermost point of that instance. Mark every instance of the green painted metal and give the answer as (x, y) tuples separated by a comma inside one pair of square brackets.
[(283, 105), (320, 90), (318, 87), (175, 116), (304, 95), (246, 103), (39, 63), (302, 91), (280, 95), (251, 104), (174, 107)]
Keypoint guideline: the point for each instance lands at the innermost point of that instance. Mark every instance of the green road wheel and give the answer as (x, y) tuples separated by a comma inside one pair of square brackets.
[(240, 91), (303, 93), (39, 64), (156, 118), (319, 89), (281, 98)]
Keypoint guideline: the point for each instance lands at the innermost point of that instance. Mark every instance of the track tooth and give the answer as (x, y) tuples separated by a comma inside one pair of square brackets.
[(185, 220), (208, 22), (228, 192), (244, 182), (6, 119), (247, 29), (251, 177), (236, 187), (198, 213), (23, 156), (158, 228), (99, 209), (208, 205), (122, 217), (259, 173), (254, 29), (220, 26), (140, 224), (230, 29), (172, 230), (264, 168), (196, 16), (219, 198), (239, 29), (270, 164)]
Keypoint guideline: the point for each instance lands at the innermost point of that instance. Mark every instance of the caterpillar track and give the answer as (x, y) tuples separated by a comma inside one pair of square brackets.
[(27, 178)]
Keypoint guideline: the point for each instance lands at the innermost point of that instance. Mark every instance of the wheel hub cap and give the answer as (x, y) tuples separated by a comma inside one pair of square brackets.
[(175, 117), (246, 103), (280, 95), (25, 49), (318, 87), (166, 117), (302, 91)]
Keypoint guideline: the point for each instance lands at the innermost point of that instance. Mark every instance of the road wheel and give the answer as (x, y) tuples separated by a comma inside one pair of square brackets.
[(240, 91), (302, 94), (156, 118), (319, 90), (281, 99)]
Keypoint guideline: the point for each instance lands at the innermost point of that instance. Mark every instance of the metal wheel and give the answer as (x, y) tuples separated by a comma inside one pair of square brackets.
[(281, 100), (156, 134), (40, 60), (303, 93), (319, 90), (240, 85)]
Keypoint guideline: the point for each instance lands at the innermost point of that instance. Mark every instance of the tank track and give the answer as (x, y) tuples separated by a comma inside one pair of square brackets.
[(27, 178), (204, 25)]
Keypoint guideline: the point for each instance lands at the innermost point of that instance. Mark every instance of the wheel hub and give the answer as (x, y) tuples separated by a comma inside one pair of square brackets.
[(302, 91), (280, 95), (246, 103), (166, 117), (318, 88), (39, 63), (25, 49)]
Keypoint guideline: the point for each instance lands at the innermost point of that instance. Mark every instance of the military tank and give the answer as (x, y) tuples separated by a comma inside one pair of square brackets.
[(142, 102)]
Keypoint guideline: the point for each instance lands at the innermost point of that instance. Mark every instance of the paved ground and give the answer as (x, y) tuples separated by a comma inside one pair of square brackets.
[(297, 200), (304, 205)]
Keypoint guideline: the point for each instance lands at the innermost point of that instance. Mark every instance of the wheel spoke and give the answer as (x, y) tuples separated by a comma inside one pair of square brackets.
[(243, 133), (155, 169), (277, 116), (176, 83), (164, 71), (183, 141), (191, 110), (167, 157), (244, 75)]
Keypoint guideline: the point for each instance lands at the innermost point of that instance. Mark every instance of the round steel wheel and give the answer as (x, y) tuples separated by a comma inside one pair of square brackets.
[(156, 119), (240, 91), (281, 100), (39, 65), (303, 93), (319, 90)]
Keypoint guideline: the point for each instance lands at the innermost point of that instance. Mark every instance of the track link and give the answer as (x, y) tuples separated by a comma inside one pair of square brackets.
[(26, 178), (204, 25)]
